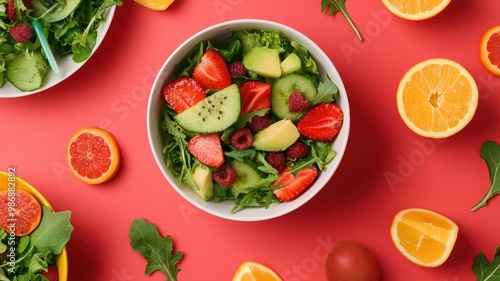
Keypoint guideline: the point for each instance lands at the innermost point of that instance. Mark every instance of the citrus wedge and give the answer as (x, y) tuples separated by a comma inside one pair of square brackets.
[(25, 214), (437, 98), (424, 237), (155, 5), (93, 155), (489, 50), (416, 9), (254, 271)]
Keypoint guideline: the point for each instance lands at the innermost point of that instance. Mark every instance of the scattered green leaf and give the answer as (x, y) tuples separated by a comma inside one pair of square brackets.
[(339, 6), (487, 270), (490, 152)]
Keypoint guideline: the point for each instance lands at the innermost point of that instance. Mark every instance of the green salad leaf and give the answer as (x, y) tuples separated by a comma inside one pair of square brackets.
[(147, 241), (490, 152), (487, 270), (339, 6)]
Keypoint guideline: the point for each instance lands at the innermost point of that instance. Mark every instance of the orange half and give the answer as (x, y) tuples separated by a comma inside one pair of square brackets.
[(416, 9), (424, 237), (155, 5), (254, 271), (489, 50)]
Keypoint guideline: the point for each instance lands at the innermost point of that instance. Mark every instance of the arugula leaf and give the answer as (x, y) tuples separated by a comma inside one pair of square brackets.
[(339, 6), (485, 270), (490, 152), (147, 241), (53, 232), (326, 91)]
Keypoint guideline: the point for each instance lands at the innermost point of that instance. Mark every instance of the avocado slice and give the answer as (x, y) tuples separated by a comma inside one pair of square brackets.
[(263, 61)]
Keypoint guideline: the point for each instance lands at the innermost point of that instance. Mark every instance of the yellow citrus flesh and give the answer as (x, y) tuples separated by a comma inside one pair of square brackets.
[(489, 50), (415, 9), (155, 5), (254, 271), (93, 155), (424, 237), (437, 98)]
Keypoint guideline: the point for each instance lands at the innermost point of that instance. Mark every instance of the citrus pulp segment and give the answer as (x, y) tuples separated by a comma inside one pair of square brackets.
[(424, 237), (416, 9), (254, 271), (26, 214), (489, 50), (93, 155), (437, 98)]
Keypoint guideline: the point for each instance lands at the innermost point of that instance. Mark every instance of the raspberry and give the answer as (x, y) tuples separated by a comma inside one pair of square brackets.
[(21, 32), (11, 9), (51, 274), (297, 150), (225, 175), (258, 123), (297, 102), (237, 69), (277, 160), (242, 139)]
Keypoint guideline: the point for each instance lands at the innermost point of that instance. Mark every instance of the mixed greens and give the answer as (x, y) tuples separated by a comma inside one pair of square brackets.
[(69, 25), (36, 251), (175, 138)]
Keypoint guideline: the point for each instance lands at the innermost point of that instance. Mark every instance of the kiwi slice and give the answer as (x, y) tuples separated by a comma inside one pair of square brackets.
[(247, 177), (283, 88), (215, 113)]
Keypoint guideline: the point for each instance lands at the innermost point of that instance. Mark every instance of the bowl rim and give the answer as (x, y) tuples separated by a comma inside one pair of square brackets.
[(62, 258), (162, 78)]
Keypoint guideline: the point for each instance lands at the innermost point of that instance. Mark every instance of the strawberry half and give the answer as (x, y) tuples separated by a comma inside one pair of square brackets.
[(322, 123), (183, 93), (207, 148), (211, 72), (293, 186), (51, 274), (255, 95)]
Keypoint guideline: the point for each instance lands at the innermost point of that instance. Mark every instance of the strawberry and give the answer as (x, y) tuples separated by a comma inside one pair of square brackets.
[(255, 95), (211, 72), (293, 186), (322, 123), (51, 274), (183, 93), (207, 148)]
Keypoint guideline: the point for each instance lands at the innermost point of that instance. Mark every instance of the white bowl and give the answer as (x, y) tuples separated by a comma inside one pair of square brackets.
[(157, 103), (66, 64)]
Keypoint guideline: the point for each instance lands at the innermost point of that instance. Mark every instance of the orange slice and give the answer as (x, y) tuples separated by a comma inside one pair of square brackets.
[(437, 98), (254, 271), (93, 155), (424, 237), (155, 5), (20, 212), (416, 9), (489, 50)]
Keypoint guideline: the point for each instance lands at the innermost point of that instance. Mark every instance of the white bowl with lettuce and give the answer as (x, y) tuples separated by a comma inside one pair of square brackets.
[(180, 167), (74, 32)]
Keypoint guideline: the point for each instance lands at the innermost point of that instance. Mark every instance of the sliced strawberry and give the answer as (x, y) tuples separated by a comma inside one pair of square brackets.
[(293, 186), (183, 93), (51, 274), (207, 148), (322, 123), (211, 72), (255, 95)]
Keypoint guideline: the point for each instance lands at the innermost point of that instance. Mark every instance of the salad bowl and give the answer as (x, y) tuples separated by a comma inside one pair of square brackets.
[(157, 103), (67, 67), (62, 258)]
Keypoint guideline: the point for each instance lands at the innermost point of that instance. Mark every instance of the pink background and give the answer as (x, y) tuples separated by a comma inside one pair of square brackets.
[(111, 91)]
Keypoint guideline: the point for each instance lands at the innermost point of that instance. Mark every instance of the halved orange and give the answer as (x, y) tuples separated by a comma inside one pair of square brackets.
[(20, 212), (424, 237), (489, 50), (416, 9), (155, 5), (92, 155), (437, 98), (254, 271)]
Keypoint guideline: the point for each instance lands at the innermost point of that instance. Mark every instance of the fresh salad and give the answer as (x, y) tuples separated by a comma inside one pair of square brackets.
[(248, 119), (69, 25)]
